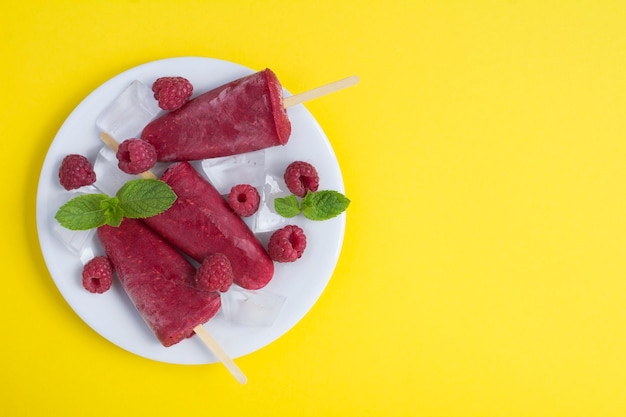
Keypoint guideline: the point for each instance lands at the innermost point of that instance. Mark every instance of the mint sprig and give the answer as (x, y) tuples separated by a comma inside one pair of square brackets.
[(319, 205), (136, 199), (113, 213)]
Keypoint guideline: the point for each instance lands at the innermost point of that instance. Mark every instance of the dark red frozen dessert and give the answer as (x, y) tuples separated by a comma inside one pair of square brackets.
[(158, 280), (244, 115), (201, 223)]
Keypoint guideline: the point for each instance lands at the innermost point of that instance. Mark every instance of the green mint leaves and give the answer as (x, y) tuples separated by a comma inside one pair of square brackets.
[(287, 206), (323, 205), (113, 213), (320, 205), (145, 198), (136, 199), (83, 212)]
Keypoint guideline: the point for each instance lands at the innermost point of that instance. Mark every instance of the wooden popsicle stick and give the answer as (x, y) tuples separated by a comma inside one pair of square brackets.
[(109, 141), (210, 342), (203, 333), (320, 91)]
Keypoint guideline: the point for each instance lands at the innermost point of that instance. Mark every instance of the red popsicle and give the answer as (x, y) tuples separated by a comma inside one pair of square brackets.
[(200, 223), (242, 116), (158, 280)]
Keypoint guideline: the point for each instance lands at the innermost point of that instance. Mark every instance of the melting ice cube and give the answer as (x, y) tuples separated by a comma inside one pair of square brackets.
[(251, 308), (228, 171), (266, 218), (129, 113), (79, 242)]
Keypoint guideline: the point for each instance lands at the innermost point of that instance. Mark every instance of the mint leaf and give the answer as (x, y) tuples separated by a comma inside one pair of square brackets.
[(143, 198), (113, 213), (324, 205), (83, 212), (287, 206)]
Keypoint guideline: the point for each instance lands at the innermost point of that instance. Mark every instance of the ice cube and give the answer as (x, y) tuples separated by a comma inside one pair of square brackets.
[(251, 308), (129, 113), (228, 171), (78, 242), (109, 178), (266, 219)]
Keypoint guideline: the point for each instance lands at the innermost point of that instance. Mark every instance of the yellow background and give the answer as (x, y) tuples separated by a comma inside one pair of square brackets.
[(483, 271)]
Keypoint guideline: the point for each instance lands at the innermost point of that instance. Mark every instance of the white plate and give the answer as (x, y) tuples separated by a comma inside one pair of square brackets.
[(111, 314)]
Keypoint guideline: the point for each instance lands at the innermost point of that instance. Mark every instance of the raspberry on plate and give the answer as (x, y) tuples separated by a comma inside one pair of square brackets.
[(76, 171), (136, 156), (301, 177), (244, 199), (98, 275), (287, 244), (215, 273), (172, 92)]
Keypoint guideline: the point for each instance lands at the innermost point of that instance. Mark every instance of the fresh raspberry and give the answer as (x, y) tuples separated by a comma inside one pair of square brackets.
[(215, 273), (301, 177), (75, 172), (98, 275), (287, 244), (244, 199), (136, 156), (172, 92)]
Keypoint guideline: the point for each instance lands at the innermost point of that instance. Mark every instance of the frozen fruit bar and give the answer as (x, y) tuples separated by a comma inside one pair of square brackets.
[(158, 280), (242, 116), (201, 223)]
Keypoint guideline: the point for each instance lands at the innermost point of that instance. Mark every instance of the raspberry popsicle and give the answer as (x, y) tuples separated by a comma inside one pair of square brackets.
[(158, 280), (242, 116), (201, 223)]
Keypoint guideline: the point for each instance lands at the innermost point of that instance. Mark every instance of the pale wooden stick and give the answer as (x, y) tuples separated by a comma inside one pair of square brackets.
[(204, 335), (320, 91), (109, 141), (210, 342)]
